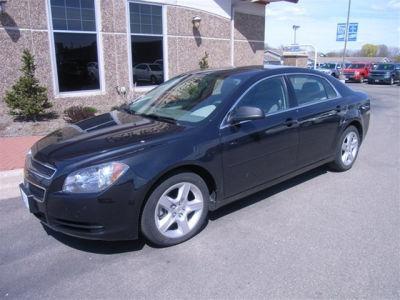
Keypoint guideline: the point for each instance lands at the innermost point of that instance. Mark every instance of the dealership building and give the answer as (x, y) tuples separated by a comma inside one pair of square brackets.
[(100, 52)]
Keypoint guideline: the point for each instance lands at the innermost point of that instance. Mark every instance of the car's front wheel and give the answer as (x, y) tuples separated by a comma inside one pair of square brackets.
[(347, 149), (176, 210)]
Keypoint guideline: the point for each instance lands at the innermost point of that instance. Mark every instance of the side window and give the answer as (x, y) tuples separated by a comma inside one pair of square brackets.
[(269, 95), (310, 88)]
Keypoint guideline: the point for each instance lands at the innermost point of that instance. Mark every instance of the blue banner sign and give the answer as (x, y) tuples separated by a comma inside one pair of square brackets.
[(341, 32)]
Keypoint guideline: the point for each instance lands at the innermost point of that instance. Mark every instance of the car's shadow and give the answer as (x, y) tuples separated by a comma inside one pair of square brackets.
[(105, 247), (262, 195)]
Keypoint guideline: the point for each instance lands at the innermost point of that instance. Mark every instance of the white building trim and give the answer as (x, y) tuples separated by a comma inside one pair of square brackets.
[(53, 59)]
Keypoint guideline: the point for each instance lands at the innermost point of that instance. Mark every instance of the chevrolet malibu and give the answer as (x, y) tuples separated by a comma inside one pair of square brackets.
[(191, 145)]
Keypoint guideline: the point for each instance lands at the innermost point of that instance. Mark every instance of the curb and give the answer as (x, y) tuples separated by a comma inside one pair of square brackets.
[(10, 181)]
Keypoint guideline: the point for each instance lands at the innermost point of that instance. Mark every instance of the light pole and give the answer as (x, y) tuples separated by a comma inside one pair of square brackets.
[(295, 27), (346, 37)]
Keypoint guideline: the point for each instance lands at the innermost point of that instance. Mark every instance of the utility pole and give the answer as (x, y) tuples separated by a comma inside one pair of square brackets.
[(295, 27), (346, 37)]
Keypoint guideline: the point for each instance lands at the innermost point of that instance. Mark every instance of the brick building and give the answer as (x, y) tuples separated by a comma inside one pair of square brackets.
[(88, 51)]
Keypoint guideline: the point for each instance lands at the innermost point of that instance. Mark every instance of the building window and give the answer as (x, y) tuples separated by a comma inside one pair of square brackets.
[(146, 43), (75, 45)]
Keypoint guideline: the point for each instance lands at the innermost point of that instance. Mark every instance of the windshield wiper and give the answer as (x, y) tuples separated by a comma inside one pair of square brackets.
[(159, 118)]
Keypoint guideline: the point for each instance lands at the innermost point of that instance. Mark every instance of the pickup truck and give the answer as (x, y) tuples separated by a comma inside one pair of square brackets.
[(385, 73), (357, 72)]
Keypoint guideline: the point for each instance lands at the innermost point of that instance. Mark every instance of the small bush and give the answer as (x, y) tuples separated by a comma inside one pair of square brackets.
[(27, 98), (78, 113), (203, 63), (118, 107)]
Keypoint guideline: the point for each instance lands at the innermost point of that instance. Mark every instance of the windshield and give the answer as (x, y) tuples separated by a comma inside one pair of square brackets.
[(327, 66), (384, 67), (155, 67), (357, 66), (187, 98)]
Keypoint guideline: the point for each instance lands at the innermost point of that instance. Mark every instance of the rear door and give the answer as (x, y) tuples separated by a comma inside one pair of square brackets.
[(320, 111), (255, 152)]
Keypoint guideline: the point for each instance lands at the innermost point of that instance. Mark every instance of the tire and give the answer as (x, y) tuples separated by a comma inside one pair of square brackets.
[(346, 150), (361, 79), (168, 219), (391, 82), (370, 82), (153, 79)]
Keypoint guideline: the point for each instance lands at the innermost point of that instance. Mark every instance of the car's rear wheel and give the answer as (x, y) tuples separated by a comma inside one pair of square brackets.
[(176, 210), (153, 79), (347, 149)]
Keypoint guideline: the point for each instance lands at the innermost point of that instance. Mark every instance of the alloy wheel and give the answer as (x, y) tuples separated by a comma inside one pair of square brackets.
[(349, 148), (179, 209)]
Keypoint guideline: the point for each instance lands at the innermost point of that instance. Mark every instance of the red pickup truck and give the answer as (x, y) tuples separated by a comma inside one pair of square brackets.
[(357, 71)]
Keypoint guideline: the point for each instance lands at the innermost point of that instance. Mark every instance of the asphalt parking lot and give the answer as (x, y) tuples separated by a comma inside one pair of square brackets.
[(319, 235)]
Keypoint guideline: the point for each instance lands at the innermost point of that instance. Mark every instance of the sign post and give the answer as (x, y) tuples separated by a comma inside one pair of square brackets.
[(346, 32)]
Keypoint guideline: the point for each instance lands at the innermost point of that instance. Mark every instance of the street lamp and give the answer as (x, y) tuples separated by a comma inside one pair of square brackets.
[(295, 27)]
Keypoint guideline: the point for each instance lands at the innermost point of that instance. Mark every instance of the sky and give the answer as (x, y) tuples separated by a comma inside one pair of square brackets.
[(379, 22)]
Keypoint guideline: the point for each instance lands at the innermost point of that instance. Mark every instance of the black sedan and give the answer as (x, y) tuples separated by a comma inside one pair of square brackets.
[(193, 144)]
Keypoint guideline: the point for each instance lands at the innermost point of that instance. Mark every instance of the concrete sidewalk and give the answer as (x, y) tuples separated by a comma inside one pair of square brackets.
[(9, 182)]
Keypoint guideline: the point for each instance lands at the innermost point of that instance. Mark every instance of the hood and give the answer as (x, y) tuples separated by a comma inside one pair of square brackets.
[(112, 132), (380, 72)]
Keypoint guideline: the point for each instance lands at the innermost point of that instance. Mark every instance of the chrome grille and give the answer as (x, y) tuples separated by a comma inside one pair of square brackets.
[(40, 169), (38, 192)]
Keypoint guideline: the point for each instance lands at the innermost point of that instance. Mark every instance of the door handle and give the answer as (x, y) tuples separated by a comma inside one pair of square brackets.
[(290, 122)]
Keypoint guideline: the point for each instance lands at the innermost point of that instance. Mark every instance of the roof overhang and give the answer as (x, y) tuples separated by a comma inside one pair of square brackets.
[(265, 2)]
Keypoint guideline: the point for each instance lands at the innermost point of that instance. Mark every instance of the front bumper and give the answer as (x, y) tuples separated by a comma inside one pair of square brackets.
[(352, 77), (111, 215), (378, 79)]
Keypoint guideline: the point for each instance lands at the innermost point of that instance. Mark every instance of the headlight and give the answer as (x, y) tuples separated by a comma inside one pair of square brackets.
[(357, 73), (94, 179)]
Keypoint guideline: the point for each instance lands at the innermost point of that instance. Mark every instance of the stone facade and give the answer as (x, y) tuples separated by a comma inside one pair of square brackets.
[(25, 25)]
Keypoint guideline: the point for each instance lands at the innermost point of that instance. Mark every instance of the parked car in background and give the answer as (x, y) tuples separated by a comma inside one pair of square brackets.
[(159, 62), (148, 72), (191, 145), (357, 72), (333, 69), (385, 73)]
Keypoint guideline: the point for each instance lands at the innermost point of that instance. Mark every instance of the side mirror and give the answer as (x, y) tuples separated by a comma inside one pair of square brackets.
[(246, 113)]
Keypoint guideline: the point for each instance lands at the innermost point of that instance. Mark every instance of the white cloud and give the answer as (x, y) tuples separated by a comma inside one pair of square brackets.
[(394, 4), (377, 7), (285, 11)]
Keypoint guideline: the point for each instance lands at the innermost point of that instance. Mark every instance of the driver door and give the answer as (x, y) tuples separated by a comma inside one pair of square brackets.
[(255, 152)]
